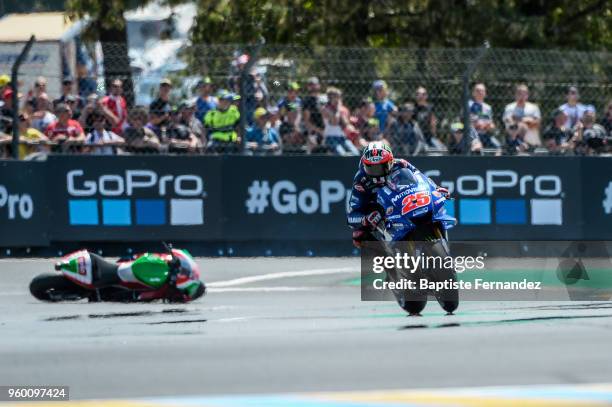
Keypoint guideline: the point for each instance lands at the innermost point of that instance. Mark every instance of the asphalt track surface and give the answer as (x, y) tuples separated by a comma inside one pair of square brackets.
[(272, 326)]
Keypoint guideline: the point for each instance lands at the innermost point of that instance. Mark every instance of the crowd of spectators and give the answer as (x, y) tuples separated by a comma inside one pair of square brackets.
[(302, 121)]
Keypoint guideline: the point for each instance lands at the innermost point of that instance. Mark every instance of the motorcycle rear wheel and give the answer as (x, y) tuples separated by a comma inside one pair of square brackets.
[(411, 301), (51, 287)]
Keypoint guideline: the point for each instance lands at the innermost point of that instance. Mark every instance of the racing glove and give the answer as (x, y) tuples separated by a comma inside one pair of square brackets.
[(402, 162), (372, 220), (444, 192), (358, 237)]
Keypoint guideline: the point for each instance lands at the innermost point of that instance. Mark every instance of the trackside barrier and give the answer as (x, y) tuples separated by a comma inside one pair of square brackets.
[(286, 199)]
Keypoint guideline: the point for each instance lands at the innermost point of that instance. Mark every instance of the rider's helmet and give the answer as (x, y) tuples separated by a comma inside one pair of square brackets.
[(377, 159)]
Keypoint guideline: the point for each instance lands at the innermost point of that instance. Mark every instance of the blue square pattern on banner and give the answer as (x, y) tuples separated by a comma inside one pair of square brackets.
[(150, 212), (475, 211), (510, 212), (116, 212), (83, 211)]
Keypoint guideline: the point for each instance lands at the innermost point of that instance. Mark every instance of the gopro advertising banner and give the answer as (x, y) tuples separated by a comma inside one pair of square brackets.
[(288, 198), (510, 198), (597, 198), (24, 217), (305, 198), (239, 198), (135, 199)]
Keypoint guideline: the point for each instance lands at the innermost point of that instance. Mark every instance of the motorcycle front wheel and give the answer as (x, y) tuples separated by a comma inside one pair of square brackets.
[(449, 298)]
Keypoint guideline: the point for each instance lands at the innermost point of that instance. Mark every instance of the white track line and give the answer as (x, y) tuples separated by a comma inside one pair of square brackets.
[(259, 289), (282, 274)]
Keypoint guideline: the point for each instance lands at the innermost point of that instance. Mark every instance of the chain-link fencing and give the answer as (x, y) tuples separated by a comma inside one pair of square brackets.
[(270, 99)]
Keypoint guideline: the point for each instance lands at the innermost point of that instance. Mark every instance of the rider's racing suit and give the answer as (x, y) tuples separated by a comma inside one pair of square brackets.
[(363, 199)]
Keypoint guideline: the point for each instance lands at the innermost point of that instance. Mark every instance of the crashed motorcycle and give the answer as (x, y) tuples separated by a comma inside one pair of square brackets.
[(173, 276), (416, 223)]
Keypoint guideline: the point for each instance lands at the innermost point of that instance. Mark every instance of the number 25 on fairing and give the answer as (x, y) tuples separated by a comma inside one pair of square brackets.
[(414, 201)]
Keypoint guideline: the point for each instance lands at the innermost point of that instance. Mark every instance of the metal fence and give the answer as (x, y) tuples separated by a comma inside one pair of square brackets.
[(444, 73)]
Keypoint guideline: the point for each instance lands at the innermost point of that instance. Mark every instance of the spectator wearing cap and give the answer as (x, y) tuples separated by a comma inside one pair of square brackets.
[(383, 106), (101, 141), (523, 111), (461, 143), (139, 138), (426, 118), (31, 140), (117, 106), (65, 131), (186, 117), (236, 100), (573, 109), (293, 90), (6, 110), (161, 104), (261, 137), (592, 138), (336, 119), (222, 123), (371, 131), (274, 118), (405, 135), (206, 100), (42, 117), (5, 81), (69, 97), (311, 109)]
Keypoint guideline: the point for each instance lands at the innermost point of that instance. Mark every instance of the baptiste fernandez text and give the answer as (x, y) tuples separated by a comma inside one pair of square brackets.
[(477, 284)]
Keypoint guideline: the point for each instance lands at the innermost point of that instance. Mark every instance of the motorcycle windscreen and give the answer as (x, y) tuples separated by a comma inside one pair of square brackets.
[(402, 178)]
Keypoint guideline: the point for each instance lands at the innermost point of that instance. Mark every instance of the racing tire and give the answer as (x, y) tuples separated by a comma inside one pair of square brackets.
[(53, 288), (411, 301), (449, 298)]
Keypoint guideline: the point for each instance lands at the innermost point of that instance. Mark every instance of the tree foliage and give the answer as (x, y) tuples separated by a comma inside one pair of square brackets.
[(577, 24)]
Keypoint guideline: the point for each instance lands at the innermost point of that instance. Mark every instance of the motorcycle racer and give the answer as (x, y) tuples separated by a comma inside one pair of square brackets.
[(376, 164)]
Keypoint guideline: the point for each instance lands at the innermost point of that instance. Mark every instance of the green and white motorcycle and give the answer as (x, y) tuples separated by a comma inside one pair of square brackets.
[(173, 276)]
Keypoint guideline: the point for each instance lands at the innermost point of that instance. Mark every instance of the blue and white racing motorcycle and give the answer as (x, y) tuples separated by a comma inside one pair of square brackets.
[(416, 222)]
